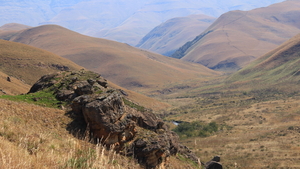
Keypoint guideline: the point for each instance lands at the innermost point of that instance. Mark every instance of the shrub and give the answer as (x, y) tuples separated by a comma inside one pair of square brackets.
[(195, 129)]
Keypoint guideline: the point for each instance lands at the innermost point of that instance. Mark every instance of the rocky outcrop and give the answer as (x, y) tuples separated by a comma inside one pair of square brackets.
[(113, 120)]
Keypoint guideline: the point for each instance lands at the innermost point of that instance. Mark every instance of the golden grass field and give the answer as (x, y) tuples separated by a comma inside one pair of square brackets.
[(38, 137), (28, 63), (257, 133)]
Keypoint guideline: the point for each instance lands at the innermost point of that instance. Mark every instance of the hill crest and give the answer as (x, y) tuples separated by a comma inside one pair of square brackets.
[(242, 36), (120, 63), (277, 67), (172, 34)]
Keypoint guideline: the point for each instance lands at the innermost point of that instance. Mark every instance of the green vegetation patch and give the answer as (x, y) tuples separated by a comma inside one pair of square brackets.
[(196, 129), (133, 105), (41, 98)]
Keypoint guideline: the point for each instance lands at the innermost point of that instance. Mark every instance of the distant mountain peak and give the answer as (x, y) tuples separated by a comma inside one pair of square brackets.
[(123, 21)]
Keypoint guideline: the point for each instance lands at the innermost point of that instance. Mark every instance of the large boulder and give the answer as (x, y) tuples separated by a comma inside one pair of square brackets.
[(113, 119)]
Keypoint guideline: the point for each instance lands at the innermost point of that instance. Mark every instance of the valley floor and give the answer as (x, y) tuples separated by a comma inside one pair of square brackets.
[(262, 133)]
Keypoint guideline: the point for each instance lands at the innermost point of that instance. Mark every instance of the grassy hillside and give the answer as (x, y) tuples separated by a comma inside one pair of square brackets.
[(279, 67), (238, 37), (13, 27), (14, 87), (255, 112), (254, 129), (37, 137), (167, 37), (120, 63), (8, 30), (28, 63)]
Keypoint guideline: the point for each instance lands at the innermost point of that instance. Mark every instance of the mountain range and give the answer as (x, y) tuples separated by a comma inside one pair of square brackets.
[(167, 37), (120, 63), (24, 65), (238, 37), (123, 21)]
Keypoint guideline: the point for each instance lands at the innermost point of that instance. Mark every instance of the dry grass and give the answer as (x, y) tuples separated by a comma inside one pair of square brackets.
[(28, 63), (36, 137), (262, 134), (14, 87)]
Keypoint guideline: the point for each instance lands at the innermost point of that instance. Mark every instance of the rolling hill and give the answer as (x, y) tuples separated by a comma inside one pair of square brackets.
[(12, 87), (28, 63), (172, 34), (279, 67), (13, 27), (129, 21), (8, 30), (124, 21), (238, 37), (120, 63), (25, 64)]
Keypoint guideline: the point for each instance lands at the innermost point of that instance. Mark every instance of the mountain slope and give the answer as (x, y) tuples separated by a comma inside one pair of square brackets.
[(25, 64), (28, 63), (172, 34), (129, 21), (124, 21), (12, 87), (120, 63), (238, 37), (279, 66), (13, 27)]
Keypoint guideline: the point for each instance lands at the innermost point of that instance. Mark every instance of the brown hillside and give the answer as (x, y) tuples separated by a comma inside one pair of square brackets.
[(238, 37), (28, 63), (172, 34), (8, 30), (280, 65), (120, 63), (14, 27), (14, 87)]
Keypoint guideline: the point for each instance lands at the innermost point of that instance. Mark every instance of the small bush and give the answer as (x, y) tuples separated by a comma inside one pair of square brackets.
[(195, 129)]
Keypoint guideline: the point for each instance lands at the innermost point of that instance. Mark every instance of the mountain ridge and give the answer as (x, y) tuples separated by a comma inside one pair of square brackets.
[(243, 36), (172, 34), (25, 64), (279, 67), (123, 21), (122, 64)]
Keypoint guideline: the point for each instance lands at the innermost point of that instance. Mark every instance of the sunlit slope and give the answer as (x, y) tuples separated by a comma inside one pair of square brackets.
[(167, 37), (28, 63), (25, 64), (120, 63), (13, 27), (238, 37), (280, 66), (12, 87)]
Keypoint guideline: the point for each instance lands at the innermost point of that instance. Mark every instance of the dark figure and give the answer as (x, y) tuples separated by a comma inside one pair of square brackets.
[(214, 163), (8, 79)]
